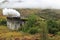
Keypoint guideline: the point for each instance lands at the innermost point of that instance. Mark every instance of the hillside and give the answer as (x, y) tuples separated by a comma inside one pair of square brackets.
[(6, 34), (43, 13)]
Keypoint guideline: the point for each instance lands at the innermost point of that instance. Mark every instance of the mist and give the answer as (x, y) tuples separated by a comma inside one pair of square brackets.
[(54, 4)]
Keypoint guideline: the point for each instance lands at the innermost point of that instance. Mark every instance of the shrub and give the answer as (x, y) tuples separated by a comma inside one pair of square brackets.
[(31, 25), (33, 30), (52, 26), (2, 22), (58, 33)]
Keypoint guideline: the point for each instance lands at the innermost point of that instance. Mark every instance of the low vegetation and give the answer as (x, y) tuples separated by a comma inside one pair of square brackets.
[(41, 25)]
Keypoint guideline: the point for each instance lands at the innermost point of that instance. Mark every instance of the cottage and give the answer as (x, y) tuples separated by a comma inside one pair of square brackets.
[(14, 23), (14, 20)]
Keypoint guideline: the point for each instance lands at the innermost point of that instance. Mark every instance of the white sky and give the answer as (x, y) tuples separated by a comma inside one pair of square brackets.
[(32, 4)]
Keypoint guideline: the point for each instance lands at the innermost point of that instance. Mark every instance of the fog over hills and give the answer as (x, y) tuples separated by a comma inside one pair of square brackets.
[(55, 4)]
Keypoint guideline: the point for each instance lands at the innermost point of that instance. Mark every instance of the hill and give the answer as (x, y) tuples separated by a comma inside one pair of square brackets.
[(43, 13), (6, 34)]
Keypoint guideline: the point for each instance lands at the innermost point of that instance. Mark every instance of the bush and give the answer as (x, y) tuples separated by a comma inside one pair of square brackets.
[(52, 26), (58, 33), (3, 22), (33, 30), (31, 25)]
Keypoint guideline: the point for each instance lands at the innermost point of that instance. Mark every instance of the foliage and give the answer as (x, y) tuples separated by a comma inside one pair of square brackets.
[(3, 22), (52, 26), (58, 22), (58, 33), (32, 25), (36, 25), (44, 32)]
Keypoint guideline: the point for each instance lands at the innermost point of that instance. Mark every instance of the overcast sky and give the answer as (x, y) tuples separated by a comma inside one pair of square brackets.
[(32, 4)]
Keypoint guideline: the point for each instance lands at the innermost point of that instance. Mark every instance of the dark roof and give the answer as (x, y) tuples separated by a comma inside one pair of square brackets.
[(16, 18)]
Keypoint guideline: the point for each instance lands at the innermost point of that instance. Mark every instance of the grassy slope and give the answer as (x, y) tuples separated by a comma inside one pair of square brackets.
[(6, 33)]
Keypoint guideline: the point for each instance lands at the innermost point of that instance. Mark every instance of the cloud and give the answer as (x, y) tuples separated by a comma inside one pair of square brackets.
[(33, 4)]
